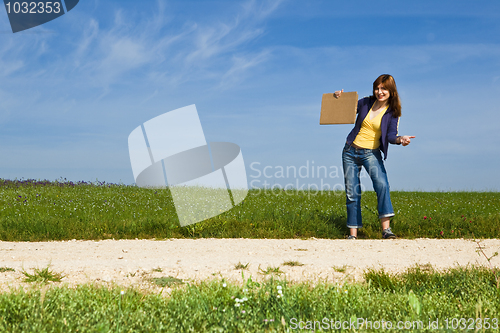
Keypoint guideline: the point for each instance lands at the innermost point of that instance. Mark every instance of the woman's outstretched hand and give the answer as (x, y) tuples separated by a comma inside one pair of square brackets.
[(405, 139), (338, 93)]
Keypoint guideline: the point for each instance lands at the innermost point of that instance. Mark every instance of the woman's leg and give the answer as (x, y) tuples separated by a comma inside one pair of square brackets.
[(375, 167), (352, 168), (385, 222)]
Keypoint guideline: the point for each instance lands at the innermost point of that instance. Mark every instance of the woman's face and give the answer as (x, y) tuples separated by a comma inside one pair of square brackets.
[(381, 93)]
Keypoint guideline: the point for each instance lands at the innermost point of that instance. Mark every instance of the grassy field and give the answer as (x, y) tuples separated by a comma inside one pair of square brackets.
[(41, 210), (459, 298), (411, 300)]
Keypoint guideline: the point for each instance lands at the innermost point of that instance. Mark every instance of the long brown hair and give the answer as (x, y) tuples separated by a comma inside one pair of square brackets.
[(388, 82)]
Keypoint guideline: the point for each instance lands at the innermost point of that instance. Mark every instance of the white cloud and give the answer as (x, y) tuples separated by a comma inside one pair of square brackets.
[(240, 66), (194, 51), (140, 48)]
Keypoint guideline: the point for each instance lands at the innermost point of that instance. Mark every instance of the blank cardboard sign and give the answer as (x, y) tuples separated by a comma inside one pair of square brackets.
[(340, 110)]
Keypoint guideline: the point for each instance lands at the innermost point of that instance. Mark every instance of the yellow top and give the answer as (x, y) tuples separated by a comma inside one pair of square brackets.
[(370, 132)]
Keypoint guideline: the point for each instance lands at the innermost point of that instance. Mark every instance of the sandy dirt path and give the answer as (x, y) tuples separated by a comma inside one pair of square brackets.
[(131, 262)]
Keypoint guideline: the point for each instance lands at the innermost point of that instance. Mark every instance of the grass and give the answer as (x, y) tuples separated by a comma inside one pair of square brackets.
[(493, 269), (270, 270), (340, 269), (166, 281), (42, 275), (292, 263), (6, 269), (42, 210), (239, 265), (417, 295)]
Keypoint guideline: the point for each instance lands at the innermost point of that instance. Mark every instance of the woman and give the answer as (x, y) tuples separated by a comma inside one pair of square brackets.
[(376, 126)]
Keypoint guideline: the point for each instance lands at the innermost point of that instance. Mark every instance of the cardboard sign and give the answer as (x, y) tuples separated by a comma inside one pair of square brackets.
[(340, 110)]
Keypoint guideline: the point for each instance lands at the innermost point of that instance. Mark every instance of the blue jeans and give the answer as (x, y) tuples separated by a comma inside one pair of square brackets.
[(371, 159)]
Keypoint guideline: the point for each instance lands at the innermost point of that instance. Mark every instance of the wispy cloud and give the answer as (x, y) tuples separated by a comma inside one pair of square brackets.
[(194, 51), (240, 66), (145, 47)]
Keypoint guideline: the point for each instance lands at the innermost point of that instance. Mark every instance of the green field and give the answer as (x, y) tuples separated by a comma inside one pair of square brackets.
[(414, 299), (41, 210)]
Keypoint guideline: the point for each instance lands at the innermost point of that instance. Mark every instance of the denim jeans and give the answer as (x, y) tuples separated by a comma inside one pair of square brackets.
[(371, 159)]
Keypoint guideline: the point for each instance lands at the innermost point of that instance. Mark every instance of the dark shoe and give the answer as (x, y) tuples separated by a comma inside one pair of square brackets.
[(388, 234), (352, 237)]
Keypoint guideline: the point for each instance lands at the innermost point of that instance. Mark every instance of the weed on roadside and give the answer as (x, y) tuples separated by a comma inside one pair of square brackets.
[(340, 269), (241, 266), (270, 270), (494, 270), (6, 269), (166, 281), (42, 275), (292, 263)]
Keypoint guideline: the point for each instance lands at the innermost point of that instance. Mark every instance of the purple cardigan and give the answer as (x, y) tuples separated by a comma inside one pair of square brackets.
[(389, 125)]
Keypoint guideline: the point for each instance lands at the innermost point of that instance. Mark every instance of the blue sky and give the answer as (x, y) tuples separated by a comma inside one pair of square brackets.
[(72, 90)]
